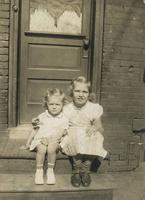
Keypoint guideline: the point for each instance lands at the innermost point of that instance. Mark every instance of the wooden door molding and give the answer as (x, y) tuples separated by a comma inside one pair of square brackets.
[(49, 60), (98, 47), (13, 56), (13, 59)]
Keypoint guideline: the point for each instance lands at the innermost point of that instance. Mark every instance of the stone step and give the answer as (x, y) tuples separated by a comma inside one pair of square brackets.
[(29, 166), (10, 149), (20, 132), (63, 166), (21, 187), (13, 159)]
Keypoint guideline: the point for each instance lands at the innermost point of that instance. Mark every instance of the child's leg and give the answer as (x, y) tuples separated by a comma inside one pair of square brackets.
[(86, 164), (85, 169), (40, 156), (77, 163), (51, 151)]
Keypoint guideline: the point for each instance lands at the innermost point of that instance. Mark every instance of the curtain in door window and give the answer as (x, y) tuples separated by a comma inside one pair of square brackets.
[(56, 16)]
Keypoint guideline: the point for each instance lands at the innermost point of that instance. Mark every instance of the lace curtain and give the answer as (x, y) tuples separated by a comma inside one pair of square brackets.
[(56, 15)]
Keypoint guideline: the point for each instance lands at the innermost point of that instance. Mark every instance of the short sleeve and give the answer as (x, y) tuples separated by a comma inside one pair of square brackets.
[(41, 116), (97, 111)]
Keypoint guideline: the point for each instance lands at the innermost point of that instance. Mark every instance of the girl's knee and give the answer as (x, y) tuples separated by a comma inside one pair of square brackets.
[(41, 149), (52, 148)]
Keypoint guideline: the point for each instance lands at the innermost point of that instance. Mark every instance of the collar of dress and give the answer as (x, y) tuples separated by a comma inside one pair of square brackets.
[(51, 116), (80, 108)]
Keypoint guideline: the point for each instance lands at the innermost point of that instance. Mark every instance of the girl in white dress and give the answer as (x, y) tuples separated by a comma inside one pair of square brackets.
[(49, 128), (84, 140)]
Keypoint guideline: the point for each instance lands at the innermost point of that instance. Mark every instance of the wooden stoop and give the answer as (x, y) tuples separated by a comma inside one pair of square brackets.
[(17, 168), (12, 155), (22, 187)]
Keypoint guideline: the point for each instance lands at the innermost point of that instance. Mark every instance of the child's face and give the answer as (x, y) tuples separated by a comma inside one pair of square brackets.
[(54, 105), (80, 94)]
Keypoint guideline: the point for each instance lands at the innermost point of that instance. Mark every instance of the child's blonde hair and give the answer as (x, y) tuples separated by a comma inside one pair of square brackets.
[(53, 92), (82, 79)]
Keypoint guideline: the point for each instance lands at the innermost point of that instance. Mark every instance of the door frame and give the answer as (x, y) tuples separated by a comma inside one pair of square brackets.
[(13, 63), (97, 39)]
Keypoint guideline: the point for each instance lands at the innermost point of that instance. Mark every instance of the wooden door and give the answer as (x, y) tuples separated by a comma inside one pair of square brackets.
[(54, 37)]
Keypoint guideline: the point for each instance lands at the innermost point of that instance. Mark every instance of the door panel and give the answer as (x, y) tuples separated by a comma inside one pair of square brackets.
[(67, 56), (50, 56)]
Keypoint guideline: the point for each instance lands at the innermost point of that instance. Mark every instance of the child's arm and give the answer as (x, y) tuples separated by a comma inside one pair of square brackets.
[(96, 126), (35, 124), (29, 140)]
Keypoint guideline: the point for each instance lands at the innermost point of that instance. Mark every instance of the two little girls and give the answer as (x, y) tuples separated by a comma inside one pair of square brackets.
[(80, 122)]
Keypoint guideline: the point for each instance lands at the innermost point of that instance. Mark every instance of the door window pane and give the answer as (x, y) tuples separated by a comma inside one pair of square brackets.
[(56, 16)]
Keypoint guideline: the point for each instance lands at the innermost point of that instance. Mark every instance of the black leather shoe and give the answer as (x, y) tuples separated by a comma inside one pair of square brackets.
[(86, 179), (76, 180)]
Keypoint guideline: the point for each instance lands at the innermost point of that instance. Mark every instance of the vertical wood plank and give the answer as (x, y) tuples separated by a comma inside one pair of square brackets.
[(13, 63), (98, 45)]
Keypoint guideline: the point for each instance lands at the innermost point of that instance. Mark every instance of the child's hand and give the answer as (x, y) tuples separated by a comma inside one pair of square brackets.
[(24, 147), (91, 131), (44, 141)]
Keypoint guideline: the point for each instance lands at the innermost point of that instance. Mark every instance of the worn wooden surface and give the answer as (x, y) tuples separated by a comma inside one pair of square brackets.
[(11, 157), (93, 195), (25, 182), (22, 187)]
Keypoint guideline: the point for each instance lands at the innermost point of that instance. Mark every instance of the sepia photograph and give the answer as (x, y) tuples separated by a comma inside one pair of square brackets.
[(72, 99)]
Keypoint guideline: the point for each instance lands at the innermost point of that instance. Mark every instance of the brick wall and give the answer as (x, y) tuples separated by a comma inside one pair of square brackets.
[(4, 42), (123, 89)]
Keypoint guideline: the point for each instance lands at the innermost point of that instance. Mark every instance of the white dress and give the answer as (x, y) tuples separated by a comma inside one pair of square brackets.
[(80, 119), (51, 127)]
